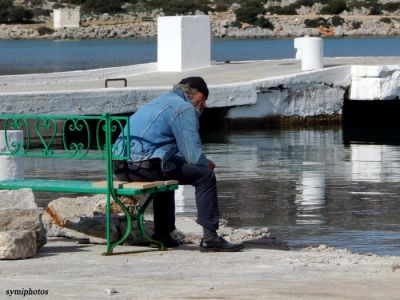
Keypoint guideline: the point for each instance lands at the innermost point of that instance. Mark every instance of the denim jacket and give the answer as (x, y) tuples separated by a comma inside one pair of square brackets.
[(165, 128)]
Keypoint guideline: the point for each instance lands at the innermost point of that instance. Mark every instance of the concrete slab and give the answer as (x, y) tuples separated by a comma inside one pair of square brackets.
[(65, 270), (217, 74)]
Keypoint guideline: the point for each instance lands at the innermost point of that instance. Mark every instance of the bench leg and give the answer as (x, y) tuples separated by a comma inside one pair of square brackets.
[(140, 222), (128, 228)]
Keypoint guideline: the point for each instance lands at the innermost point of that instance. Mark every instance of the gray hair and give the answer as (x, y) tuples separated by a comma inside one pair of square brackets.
[(185, 88)]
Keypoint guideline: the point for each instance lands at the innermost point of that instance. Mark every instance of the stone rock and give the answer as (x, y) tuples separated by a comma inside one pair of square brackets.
[(24, 219), (22, 198), (105, 17), (339, 31), (17, 244), (80, 218)]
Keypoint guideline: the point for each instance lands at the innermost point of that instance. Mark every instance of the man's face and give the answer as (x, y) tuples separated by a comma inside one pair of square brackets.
[(199, 101)]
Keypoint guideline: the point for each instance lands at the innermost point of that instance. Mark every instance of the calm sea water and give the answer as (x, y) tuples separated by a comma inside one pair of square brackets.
[(308, 186), (18, 57)]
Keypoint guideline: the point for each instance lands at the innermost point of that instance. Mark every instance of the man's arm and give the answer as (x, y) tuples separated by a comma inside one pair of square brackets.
[(186, 130)]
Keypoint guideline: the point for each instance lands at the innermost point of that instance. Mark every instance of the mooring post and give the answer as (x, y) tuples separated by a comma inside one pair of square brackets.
[(183, 43), (311, 52), (11, 167)]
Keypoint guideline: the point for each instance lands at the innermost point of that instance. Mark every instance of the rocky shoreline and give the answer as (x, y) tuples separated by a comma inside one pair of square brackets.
[(222, 27)]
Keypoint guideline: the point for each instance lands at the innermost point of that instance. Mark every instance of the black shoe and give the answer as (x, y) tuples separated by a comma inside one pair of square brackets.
[(167, 240), (218, 244)]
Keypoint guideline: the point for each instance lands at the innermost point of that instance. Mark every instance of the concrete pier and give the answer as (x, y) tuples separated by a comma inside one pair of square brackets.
[(249, 89)]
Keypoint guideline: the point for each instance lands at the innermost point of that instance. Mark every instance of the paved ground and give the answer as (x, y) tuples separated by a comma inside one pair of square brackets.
[(219, 73), (70, 271)]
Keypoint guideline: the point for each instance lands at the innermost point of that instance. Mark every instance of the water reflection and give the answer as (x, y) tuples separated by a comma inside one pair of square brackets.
[(307, 186), (310, 197), (367, 162)]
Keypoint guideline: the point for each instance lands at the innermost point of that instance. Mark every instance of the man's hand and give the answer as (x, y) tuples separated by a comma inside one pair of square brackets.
[(211, 165)]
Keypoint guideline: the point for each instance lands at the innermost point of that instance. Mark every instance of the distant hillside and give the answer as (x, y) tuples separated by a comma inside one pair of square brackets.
[(249, 11), (229, 18)]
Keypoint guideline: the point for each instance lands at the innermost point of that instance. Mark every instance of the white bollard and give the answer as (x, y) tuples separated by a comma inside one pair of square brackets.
[(11, 167), (183, 43), (311, 52)]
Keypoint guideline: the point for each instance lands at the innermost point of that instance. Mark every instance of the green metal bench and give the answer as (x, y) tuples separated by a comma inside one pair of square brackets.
[(72, 137)]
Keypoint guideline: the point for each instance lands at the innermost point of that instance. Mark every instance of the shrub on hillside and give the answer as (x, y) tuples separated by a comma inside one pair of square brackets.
[(249, 11), (285, 10), (334, 7), (360, 3), (102, 6), (37, 12), (11, 14), (58, 5), (264, 23), (314, 23), (386, 20), (45, 30), (375, 10), (221, 7), (179, 7), (307, 3), (337, 21), (391, 7), (356, 24), (19, 14)]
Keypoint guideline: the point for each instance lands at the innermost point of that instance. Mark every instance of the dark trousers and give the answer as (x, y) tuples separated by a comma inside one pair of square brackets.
[(201, 178)]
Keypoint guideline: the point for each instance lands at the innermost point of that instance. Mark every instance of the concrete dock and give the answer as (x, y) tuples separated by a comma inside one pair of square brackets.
[(250, 89), (217, 74)]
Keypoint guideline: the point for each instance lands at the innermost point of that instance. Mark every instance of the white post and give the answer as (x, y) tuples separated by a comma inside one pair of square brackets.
[(311, 52), (11, 167), (183, 43)]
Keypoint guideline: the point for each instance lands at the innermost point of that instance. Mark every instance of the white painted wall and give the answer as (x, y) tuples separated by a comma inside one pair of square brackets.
[(183, 43), (375, 82), (66, 17)]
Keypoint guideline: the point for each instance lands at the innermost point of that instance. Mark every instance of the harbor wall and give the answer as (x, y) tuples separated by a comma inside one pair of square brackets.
[(305, 94)]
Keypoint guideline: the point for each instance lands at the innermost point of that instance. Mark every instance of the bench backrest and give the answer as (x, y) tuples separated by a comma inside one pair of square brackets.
[(81, 137)]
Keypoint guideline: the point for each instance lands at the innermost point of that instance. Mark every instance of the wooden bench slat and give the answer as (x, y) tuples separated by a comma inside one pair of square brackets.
[(140, 185), (103, 183), (135, 185), (170, 182)]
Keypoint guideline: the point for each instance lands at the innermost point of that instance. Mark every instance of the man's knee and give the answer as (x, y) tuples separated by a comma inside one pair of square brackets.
[(208, 179)]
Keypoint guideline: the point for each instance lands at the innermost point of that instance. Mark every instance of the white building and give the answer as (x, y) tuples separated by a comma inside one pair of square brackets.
[(66, 17)]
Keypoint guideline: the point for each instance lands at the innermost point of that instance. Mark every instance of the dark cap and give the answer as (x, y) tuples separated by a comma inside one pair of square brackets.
[(197, 83)]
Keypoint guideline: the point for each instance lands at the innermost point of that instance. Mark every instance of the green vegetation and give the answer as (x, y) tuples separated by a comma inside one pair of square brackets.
[(249, 11), (45, 30), (386, 20), (334, 7), (101, 6), (10, 14), (264, 23), (391, 7), (307, 3), (356, 24), (314, 23), (337, 21), (286, 10), (179, 7), (376, 9), (362, 3)]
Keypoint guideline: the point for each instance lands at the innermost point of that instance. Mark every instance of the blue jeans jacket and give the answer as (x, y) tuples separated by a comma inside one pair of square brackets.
[(165, 128)]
